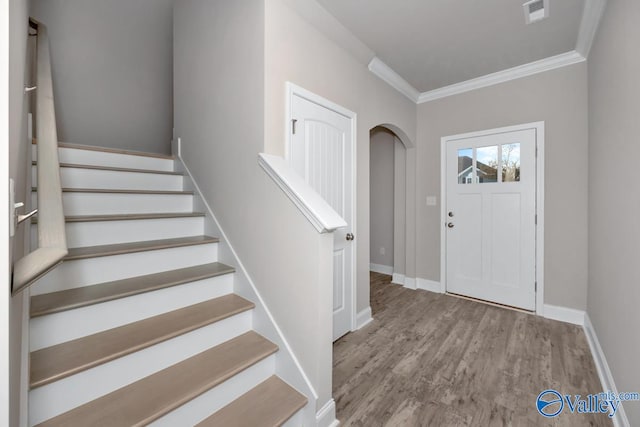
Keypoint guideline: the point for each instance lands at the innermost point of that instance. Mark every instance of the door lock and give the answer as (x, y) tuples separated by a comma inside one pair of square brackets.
[(450, 225), (350, 236), (450, 214)]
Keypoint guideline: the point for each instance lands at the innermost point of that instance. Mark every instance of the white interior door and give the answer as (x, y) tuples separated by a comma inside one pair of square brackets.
[(321, 151), (490, 217)]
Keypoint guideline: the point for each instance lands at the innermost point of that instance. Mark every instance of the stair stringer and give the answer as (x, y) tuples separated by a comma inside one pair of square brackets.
[(288, 366)]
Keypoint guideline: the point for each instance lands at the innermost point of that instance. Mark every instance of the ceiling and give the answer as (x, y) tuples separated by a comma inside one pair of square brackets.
[(436, 43)]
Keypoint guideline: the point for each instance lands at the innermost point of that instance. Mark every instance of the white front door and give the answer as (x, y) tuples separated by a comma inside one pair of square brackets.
[(490, 217), (321, 151)]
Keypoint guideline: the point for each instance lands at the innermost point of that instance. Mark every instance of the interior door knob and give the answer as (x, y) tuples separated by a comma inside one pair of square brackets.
[(350, 236), (450, 225)]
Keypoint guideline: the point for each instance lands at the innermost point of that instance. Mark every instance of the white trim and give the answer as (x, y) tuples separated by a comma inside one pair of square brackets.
[(547, 64), (539, 277), (382, 269), (397, 279), (410, 283), (364, 318), (564, 314), (293, 89), (311, 204), (393, 79), (606, 378), (591, 17), (429, 285), (326, 416)]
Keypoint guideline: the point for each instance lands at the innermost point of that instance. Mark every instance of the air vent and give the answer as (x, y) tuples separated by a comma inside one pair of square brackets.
[(535, 10)]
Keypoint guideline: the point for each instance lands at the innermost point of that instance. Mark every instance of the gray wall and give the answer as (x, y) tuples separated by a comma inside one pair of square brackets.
[(329, 70), (219, 116), (381, 186), (557, 97), (112, 71), (614, 202)]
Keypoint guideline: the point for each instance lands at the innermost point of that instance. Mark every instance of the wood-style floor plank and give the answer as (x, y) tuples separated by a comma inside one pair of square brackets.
[(436, 360)]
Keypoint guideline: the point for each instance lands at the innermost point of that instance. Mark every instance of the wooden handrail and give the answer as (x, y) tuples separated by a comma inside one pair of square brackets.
[(52, 240)]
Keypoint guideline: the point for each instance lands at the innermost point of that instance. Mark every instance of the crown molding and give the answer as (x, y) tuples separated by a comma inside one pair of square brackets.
[(591, 17), (520, 71), (393, 79)]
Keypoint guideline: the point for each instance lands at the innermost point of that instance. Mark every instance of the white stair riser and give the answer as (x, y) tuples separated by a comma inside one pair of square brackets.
[(84, 272), (60, 396), (218, 397), (116, 180), (119, 203), (100, 158), (296, 420), (97, 233), (56, 328)]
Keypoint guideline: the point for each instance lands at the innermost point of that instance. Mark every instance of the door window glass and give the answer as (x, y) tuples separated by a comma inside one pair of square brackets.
[(465, 166), (487, 164), (511, 162)]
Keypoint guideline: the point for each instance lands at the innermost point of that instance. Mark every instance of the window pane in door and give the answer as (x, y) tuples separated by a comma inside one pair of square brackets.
[(511, 162), (487, 164), (465, 166)]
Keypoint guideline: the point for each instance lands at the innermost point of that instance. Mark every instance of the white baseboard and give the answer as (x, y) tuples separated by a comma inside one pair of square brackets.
[(326, 416), (397, 279), (363, 318), (564, 314), (382, 269), (410, 283), (429, 285), (606, 378)]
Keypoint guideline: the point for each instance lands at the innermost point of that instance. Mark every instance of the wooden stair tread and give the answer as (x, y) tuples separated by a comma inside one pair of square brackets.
[(124, 248), (126, 217), (56, 302), (269, 404), (146, 400), (109, 191), (68, 358), (111, 150), (115, 169)]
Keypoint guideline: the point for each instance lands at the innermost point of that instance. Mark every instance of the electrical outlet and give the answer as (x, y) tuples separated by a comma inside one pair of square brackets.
[(383, 251)]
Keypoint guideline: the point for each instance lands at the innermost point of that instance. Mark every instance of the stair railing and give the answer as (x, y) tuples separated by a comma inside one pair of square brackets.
[(52, 240)]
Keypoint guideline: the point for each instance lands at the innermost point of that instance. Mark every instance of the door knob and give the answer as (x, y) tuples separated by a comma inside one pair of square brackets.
[(450, 214), (450, 225), (350, 236)]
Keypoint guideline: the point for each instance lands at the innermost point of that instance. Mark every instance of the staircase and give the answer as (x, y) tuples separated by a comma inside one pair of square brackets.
[(140, 324)]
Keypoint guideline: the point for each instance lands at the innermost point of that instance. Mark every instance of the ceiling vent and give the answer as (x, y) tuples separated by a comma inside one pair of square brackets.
[(536, 10)]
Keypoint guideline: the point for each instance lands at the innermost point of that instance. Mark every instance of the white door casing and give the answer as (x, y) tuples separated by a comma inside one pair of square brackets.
[(489, 215), (321, 149)]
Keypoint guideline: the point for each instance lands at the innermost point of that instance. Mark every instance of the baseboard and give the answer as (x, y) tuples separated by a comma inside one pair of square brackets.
[(382, 269), (410, 283), (606, 378), (326, 416), (397, 279), (564, 314), (429, 285), (363, 318)]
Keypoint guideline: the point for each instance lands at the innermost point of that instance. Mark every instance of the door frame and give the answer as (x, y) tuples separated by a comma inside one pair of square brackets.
[(291, 90), (539, 267)]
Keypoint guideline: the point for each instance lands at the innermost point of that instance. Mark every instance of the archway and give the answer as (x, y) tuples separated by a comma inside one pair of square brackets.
[(392, 204)]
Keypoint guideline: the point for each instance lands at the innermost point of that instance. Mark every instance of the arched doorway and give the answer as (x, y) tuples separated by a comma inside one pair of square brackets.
[(392, 204)]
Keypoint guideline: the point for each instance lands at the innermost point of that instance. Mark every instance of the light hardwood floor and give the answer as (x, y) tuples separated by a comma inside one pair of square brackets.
[(436, 360)]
